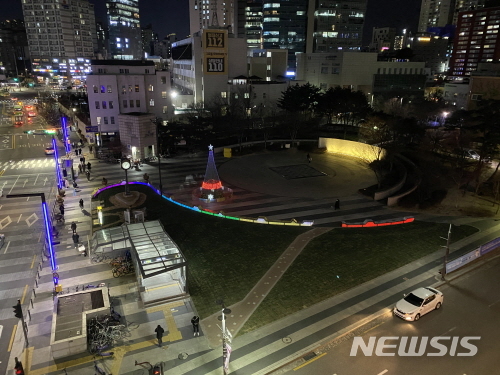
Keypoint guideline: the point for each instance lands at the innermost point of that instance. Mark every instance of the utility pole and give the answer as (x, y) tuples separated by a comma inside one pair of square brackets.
[(447, 252), (226, 339)]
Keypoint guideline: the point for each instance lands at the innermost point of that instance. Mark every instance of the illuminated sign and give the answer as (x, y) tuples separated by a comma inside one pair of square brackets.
[(215, 51)]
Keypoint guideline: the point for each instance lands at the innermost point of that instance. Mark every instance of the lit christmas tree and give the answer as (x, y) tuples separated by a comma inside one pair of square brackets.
[(211, 189)]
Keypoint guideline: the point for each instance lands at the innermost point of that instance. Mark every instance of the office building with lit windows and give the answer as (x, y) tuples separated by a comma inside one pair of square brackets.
[(476, 41), (62, 38), (125, 37)]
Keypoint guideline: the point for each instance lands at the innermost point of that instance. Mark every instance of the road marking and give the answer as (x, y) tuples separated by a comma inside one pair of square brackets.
[(1, 329), (373, 327), (383, 372), (308, 362), (14, 184), (24, 294), (11, 342), (2, 172), (8, 243), (174, 334), (20, 216), (33, 262)]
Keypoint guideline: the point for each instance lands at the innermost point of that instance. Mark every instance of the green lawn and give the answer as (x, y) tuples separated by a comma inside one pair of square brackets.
[(344, 258), (226, 258)]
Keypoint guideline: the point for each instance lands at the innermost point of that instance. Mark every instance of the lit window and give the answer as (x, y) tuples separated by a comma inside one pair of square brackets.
[(164, 95), (150, 88), (103, 89), (98, 120), (136, 88), (151, 102), (96, 90), (104, 105), (109, 89), (223, 94)]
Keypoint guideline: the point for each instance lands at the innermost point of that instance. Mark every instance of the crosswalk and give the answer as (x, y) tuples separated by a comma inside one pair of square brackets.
[(46, 162)]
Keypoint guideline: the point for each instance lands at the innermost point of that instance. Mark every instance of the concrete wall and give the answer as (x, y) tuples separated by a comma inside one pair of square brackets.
[(363, 151)]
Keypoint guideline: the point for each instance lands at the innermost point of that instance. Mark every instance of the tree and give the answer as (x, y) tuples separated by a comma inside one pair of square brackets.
[(299, 102), (48, 108)]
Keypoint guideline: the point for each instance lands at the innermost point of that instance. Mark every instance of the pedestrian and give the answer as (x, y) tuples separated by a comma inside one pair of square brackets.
[(81, 204), (195, 321), (65, 173), (84, 166), (104, 181), (88, 175), (73, 227), (76, 239), (309, 158), (61, 209), (337, 205), (75, 185), (80, 168), (89, 166), (90, 148), (159, 334), (83, 159), (146, 177)]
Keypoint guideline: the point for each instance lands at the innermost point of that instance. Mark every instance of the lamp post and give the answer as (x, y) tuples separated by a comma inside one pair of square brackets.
[(447, 252), (226, 338), (125, 164), (157, 121)]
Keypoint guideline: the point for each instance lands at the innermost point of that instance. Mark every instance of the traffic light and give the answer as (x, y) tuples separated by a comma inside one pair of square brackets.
[(18, 311), (19, 368)]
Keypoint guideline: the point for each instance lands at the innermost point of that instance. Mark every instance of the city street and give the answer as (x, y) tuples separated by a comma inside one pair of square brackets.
[(24, 168), (471, 308)]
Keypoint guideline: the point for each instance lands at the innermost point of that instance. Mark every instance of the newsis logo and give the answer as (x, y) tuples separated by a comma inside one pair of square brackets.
[(405, 346)]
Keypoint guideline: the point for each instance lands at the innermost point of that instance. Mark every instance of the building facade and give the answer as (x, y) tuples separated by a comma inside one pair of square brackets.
[(383, 39), (214, 13), (202, 65), (14, 52), (125, 39), (431, 49), (253, 25), (62, 37), (477, 41), (335, 25), (120, 87), (362, 71)]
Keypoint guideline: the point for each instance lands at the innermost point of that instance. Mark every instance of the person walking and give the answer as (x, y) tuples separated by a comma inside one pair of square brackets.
[(104, 181), (88, 175), (337, 205), (61, 209), (159, 334), (76, 239), (81, 203), (83, 159), (146, 177), (309, 158), (195, 321), (80, 168), (73, 227), (84, 166), (89, 166)]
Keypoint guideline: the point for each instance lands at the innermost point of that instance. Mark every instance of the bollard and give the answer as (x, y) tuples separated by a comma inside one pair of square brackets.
[(34, 292), (38, 274), (29, 315), (40, 266), (31, 300), (36, 282)]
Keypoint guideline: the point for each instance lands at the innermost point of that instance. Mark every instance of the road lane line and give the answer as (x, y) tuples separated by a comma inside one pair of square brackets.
[(368, 330), (40, 237), (24, 294), (33, 262), (308, 362), (8, 243), (11, 342), (14, 184), (383, 372), (20, 216)]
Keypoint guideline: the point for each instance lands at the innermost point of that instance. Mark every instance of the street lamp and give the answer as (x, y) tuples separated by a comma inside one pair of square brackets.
[(157, 121), (226, 338)]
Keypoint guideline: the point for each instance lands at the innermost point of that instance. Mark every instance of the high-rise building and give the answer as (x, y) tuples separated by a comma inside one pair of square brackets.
[(476, 40), (439, 13), (62, 37), (213, 13), (149, 39), (335, 25), (125, 39), (253, 24), (14, 54), (284, 26), (102, 41)]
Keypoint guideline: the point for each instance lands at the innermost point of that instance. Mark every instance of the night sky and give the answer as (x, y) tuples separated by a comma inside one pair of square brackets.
[(171, 16)]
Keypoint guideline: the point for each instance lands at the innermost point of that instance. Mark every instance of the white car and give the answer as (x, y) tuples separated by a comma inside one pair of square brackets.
[(418, 303)]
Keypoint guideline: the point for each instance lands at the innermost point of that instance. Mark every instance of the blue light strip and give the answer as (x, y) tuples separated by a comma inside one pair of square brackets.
[(58, 167), (48, 228), (65, 134)]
